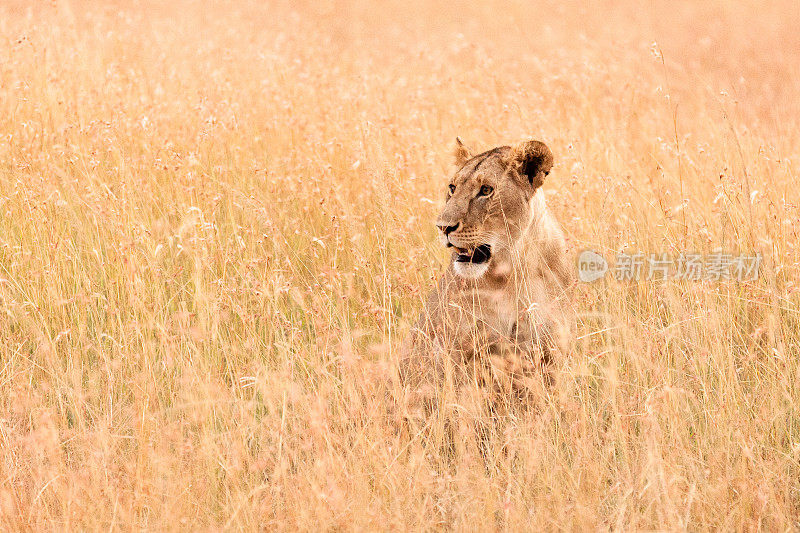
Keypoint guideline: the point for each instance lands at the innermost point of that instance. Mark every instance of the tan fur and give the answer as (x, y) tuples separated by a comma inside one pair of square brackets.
[(500, 323)]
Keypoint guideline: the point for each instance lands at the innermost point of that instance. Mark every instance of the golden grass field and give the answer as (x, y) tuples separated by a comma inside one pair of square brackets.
[(216, 229)]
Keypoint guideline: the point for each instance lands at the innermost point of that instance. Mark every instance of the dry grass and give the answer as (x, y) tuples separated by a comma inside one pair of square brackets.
[(215, 230)]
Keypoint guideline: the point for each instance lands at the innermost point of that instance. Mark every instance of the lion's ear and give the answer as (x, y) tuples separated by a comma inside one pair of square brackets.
[(533, 161), (461, 153)]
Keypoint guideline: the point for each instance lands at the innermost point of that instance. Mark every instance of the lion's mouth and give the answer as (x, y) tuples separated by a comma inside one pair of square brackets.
[(479, 255)]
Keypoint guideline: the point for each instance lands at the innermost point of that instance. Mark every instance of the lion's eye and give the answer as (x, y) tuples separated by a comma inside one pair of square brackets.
[(486, 190), (452, 188)]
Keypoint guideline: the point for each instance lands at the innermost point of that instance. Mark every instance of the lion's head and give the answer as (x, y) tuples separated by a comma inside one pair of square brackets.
[(489, 202)]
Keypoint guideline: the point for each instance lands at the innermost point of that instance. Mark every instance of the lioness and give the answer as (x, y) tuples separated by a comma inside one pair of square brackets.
[(500, 311)]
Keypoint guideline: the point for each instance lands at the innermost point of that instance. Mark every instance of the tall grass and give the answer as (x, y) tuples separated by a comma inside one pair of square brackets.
[(216, 229)]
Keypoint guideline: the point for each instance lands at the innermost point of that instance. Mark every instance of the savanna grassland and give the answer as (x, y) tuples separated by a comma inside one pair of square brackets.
[(216, 230)]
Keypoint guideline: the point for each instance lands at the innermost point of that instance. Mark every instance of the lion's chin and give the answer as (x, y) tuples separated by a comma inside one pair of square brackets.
[(470, 270), (472, 264)]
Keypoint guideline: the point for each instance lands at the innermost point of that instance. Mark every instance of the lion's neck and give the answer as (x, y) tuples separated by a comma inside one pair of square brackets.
[(536, 216)]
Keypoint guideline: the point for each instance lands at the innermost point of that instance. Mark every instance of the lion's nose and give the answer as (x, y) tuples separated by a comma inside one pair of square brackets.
[(447, 230)]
